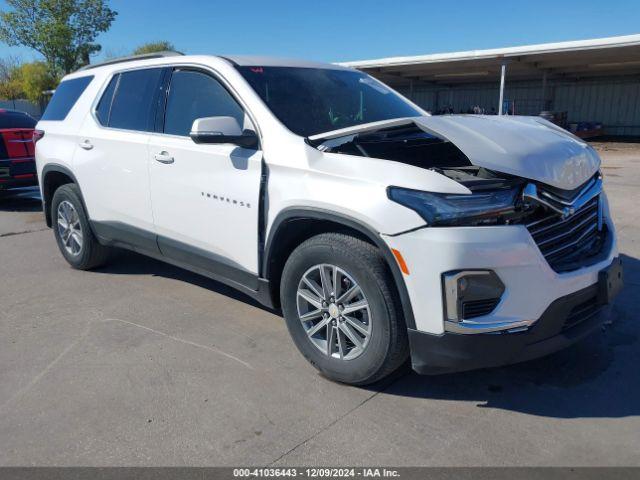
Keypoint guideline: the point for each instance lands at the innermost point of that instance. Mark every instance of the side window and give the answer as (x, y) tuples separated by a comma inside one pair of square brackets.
[(195, 95), (133, 105), (65, 97), (103, 112)]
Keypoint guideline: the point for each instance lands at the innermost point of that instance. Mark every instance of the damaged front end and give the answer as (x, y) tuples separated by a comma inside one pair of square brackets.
[(568, 226), (517, 172)]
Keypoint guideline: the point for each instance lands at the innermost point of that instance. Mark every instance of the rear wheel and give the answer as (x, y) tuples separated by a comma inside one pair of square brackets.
[(73, 234), (339, 304)]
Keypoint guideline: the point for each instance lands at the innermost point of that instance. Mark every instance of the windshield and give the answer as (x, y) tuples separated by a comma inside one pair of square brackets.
[(313, 100)]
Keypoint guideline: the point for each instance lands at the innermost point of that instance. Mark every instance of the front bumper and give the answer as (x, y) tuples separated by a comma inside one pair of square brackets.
[(567, 320), (540, 311), (531, 285)]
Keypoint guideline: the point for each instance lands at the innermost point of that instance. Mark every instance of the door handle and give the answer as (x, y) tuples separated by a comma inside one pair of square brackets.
[(163, 157), (86, 145)]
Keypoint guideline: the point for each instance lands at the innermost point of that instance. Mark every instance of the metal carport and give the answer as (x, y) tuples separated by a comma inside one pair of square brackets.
[(590, 80)]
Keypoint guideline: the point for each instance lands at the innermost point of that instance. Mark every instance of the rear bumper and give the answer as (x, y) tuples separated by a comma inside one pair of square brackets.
[(18, 183), (567, 320), (16, 173)]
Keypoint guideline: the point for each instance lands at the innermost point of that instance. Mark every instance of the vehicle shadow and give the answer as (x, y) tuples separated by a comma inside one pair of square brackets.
[(22, 200), (597, 377), (130, 263)]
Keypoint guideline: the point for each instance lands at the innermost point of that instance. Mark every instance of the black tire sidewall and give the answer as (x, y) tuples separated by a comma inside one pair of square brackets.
[(70, 193), (365, 366)]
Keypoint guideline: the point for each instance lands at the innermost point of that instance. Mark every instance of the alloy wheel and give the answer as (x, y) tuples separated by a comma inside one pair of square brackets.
[(69, 228), (334, 312)]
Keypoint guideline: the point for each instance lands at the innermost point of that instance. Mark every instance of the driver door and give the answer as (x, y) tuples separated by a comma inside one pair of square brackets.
[(204, 197)]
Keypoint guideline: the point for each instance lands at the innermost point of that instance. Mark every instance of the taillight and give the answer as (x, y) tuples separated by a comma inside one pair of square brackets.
[(37, 135)]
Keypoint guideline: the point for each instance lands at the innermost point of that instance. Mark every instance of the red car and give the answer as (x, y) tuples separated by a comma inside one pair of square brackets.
[(17, 161)]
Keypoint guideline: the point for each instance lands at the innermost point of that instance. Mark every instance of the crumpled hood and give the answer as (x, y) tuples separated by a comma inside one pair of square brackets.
[(529, 147)]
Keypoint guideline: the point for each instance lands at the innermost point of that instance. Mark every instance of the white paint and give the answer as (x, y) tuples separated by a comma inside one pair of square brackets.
[(531, 285), (122, 182)]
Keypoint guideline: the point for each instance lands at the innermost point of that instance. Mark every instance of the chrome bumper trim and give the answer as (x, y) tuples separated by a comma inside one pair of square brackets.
[(470, 327)]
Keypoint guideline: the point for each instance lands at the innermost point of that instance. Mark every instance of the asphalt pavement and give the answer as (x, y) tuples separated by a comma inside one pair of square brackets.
[(143, 364)]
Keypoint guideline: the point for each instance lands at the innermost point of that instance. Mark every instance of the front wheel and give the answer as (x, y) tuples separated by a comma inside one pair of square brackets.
[(338, 300)]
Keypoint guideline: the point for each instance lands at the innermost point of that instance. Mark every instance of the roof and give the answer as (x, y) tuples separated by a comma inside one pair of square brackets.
[(577, 58), (264, 61), (162, 58)]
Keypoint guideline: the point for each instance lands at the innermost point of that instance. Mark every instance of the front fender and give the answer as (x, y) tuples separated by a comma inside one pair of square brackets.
[(293, 213)]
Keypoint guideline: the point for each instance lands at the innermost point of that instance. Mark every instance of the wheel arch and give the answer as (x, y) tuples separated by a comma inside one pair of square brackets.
[(53, 177), (294, 225)]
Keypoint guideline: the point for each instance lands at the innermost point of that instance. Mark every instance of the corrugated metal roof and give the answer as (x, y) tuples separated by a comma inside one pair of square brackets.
[(496, 53)]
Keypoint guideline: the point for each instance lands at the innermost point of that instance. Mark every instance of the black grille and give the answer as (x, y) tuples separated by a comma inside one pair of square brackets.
[(568, 243), (478, 308), (582, 312)]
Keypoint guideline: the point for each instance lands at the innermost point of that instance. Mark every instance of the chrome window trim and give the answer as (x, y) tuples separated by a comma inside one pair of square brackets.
[(198, 66)]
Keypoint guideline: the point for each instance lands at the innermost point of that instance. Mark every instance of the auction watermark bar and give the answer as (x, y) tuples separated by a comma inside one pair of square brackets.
[(405, 473)]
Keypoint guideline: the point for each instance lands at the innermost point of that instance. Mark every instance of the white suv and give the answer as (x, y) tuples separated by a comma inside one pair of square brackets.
[(380, 231)]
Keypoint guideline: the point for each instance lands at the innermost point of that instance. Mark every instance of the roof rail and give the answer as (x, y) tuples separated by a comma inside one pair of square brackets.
[(131, 58)]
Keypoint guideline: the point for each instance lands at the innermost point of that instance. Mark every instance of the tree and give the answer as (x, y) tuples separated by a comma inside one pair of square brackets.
[(63, 31), (152, 47), (35, 79), (11, 89), (27, 81), (7, 66), (10, 85)]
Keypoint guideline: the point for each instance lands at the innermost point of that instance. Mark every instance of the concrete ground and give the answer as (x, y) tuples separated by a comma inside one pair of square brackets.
[(141, 363)]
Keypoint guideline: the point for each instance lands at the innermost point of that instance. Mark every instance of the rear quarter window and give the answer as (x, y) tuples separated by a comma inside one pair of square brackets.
[(65, 98), (103, 112), (134, 100)]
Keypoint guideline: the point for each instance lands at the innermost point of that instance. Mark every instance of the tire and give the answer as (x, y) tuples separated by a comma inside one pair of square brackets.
[(89, 254), (384, 349)]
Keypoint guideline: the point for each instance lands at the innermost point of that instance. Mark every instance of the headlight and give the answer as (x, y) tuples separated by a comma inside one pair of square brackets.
[(457, 209)]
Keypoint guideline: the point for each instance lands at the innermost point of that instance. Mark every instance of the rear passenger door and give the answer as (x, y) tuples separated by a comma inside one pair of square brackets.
[(205, 197), (111, 158)]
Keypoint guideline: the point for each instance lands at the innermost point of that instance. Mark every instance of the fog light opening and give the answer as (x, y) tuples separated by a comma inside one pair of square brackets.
[(471, 293)]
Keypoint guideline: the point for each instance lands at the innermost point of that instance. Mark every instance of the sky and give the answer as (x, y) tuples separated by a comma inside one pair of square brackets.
[(354, 30)]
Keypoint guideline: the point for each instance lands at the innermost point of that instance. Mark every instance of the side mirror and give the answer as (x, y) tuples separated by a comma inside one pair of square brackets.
[(222, 130)]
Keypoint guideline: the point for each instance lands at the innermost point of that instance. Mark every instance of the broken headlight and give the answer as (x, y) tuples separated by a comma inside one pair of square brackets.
[(476, 208)]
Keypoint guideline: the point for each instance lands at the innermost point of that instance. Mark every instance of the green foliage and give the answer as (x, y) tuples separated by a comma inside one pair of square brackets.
[(11, 89), (7, 65), (152, 47), (27, 81), (10, 84), (35, 79), (63, 31)]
